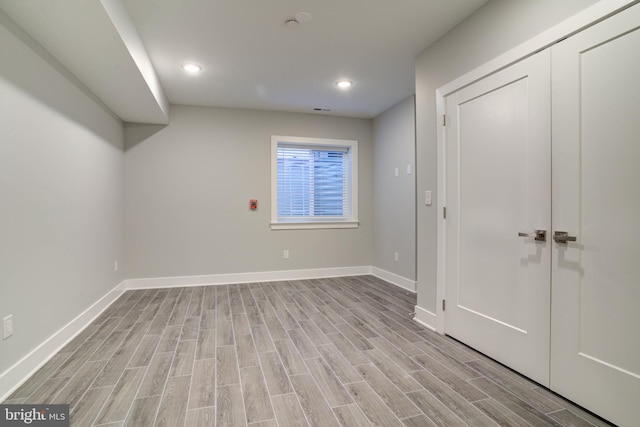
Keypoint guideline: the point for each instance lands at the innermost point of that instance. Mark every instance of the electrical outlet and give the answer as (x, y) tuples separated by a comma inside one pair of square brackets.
[(7, 326), (116, 267), (396, 256), (285, 254)]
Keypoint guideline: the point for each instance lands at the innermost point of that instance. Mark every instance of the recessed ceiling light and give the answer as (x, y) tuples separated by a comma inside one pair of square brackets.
[(344, 84), (190, 67), (300, 18)]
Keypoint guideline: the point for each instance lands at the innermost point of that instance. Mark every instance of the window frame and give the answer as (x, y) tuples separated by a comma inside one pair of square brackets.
[(314, 222)]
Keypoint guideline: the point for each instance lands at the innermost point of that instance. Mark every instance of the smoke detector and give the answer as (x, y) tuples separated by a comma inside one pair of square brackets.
[(300, 18)]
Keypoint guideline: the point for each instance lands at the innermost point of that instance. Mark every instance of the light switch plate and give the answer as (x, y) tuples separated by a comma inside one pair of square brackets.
[(7, 327), (427, 198)]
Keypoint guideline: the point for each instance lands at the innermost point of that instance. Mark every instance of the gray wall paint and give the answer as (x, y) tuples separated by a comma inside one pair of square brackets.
[(187, 191), (394, 198), (61, 168), (495, 28)]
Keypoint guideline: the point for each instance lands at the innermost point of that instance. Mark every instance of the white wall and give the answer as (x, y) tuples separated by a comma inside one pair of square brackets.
[(394, 198), (61, 164), (495, 28), (187, 191)]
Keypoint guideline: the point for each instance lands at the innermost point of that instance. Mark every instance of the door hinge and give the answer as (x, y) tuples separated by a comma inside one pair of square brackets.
[(444, 212), (444, 120), (444, 305)]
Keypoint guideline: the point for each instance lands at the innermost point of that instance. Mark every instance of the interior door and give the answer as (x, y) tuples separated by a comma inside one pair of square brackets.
[(595, 347), (498, 177)]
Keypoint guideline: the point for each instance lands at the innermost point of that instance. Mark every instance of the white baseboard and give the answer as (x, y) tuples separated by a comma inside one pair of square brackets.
[(426, 318), (17, 374), (264, 276), (394, 279)]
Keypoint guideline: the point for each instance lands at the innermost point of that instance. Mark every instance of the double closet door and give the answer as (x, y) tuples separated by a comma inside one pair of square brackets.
[(542, 235)]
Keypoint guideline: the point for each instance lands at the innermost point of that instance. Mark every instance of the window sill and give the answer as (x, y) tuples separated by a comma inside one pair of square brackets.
[(313, 225)]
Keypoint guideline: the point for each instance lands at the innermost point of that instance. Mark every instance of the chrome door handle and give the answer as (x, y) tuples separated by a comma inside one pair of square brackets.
[(563, 237), (538, 235)]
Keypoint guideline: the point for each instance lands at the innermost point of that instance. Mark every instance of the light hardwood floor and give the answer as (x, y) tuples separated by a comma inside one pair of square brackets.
[(327, 352)]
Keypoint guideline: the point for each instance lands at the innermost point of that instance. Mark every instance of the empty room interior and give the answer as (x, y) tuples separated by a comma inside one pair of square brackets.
[(336, 213)]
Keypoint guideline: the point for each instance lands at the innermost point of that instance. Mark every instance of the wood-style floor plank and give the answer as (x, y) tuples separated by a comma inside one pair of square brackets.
[(230, 407), (372, 405), (400, 378), (183, 359), (227, 366), (291, 359), (339, 365), (288, 411), (202, 392), (246, 349), (145, 351), (173, 407), (48, 389), (256, 396), (78, 385), (435, 409), (203, 417), (85, 412), (516, 405), (418, 421), (117, 405), (143, 412), (313, 404), (156, 376), (328, 382), (351, 416), (388, 392), (37, 379), (275, 374), (458, 403), (501, 415)]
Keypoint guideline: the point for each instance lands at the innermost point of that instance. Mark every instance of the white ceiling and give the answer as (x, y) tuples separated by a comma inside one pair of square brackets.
[(251, 59)]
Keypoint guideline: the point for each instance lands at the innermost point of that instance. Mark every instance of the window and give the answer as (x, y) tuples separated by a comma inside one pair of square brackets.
[(313, 183)]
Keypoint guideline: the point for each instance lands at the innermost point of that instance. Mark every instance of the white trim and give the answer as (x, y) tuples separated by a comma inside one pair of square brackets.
[(394, 279), (426, 318), (17, 374), (441, 203), (313, 225), (589, 16), (232, 278)]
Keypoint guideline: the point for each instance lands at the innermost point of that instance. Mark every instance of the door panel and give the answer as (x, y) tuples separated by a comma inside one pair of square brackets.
[(498, 181), (595, 350)]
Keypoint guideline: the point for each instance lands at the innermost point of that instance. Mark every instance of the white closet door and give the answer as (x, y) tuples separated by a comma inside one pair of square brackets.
[(497, 185), (595, 347)]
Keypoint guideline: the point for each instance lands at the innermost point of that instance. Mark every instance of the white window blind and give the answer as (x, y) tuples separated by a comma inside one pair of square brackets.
[(314, 182)]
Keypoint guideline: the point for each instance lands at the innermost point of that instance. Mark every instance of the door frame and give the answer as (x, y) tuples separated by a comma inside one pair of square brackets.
[(566, 28)]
